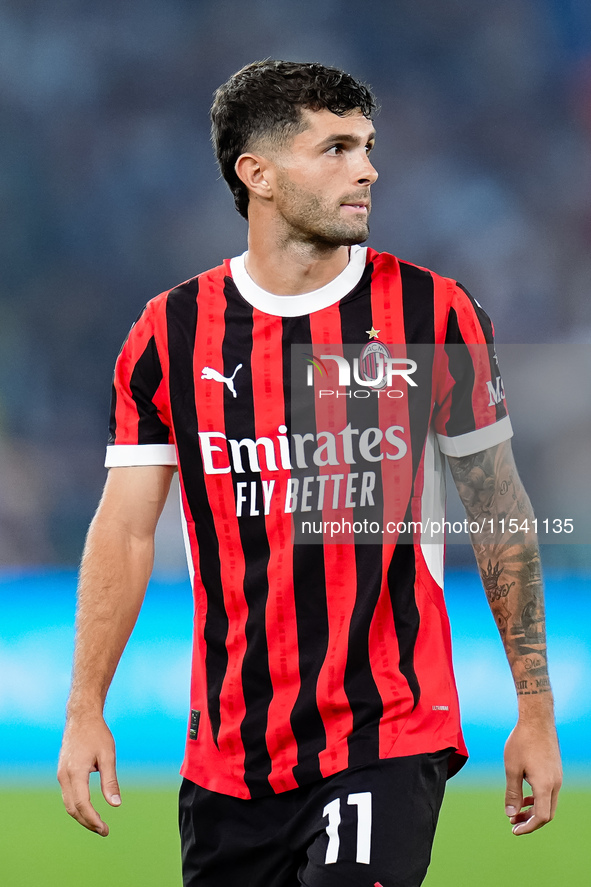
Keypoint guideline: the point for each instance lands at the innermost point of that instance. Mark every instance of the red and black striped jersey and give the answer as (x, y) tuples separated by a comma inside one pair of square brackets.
[(312, 653)]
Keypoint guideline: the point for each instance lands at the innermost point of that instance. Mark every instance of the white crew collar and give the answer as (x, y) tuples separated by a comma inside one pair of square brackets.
[(306, 303)]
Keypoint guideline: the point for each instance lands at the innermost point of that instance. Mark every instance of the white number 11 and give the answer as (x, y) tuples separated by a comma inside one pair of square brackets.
[(362, 800)]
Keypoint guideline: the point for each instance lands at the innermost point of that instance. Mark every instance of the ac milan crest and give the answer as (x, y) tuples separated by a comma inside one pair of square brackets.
[(372, 363)]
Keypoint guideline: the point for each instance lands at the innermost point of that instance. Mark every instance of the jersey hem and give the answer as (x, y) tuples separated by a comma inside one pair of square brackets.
[(224, 784)]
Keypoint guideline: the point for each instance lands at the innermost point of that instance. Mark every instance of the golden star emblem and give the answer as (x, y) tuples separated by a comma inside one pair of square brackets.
[(372, 333)]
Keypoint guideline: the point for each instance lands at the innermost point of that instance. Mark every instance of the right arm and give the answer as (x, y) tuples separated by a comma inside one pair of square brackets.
[(115, 570)]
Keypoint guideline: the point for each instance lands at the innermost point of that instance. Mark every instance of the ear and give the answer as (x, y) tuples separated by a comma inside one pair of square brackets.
[(251, 169)]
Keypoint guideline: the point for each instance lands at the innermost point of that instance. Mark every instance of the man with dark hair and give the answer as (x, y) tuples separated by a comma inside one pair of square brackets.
[(263, 103), (324, 717)]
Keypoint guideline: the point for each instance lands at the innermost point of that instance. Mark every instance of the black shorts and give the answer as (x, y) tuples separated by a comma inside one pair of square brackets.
[(363, 827)]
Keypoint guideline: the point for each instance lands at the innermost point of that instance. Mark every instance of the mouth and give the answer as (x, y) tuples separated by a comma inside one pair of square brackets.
[(361, 208), (357, 206)]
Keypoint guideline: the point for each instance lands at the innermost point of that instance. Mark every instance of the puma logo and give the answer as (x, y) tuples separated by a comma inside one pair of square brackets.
[(210, 373)]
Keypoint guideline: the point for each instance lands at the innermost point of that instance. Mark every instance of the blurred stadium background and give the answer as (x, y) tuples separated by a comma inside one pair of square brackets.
[(109, 194)]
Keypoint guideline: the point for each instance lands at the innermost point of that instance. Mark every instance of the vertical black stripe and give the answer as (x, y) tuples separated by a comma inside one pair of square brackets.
[(418, 305), (418, 302), (401, 583), (487, 329), (361, 689), (483, 318), (240, 424), (360, 686), (309, 589), (181, 316), (461, 418), (144, 383)]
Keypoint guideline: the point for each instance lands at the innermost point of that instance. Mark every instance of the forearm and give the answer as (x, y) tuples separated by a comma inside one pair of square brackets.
[(512, 581), (114, 574), (115, 570), (509, 564)]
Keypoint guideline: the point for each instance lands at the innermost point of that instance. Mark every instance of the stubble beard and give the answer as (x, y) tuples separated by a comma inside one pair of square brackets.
[(310, 220)]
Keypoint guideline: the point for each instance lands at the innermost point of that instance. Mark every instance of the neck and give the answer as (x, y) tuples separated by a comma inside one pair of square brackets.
[(290, 268)]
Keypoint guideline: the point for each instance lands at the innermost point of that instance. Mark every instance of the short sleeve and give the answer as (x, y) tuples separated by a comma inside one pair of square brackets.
[(140, 431), (470, 407)]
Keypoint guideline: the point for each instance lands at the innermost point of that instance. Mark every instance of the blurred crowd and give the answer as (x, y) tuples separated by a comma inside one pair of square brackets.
[(109, 192)]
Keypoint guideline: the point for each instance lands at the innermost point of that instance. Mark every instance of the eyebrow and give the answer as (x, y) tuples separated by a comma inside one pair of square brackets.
[(347, 139)]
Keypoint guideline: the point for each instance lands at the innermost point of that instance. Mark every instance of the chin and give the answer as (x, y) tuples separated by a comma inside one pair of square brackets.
[(352, 238), (342, 237)]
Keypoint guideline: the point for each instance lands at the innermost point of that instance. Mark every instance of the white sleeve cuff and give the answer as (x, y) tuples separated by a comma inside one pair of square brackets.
[(122, 455), (475, 441)]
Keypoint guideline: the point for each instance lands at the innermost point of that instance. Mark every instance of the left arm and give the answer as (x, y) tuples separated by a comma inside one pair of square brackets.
[(509, 564)]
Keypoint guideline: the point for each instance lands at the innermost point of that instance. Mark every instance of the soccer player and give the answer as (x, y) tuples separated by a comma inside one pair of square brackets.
[(324, 717)]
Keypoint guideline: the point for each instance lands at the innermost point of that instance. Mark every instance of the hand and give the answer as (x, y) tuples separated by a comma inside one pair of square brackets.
[(87, 747), (532, 753)]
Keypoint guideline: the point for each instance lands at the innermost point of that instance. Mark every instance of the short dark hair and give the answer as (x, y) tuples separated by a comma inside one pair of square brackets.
[(266, 99)]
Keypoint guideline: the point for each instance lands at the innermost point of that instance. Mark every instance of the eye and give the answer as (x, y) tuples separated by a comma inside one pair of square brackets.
[(334, 150)]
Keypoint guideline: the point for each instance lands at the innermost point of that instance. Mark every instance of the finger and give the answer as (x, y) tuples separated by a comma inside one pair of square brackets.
[(79, 805), (539, 814), (81, 815), (514, 793), (68, 797), (109, 783), (522, 817), (554, 802), (523, 814), (530, 825), (555, 793)]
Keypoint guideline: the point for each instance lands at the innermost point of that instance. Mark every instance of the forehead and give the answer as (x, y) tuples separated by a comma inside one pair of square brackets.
[(321, 125)]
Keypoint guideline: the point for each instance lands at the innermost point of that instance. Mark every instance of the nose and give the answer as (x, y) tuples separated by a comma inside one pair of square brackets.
[(367, 174)]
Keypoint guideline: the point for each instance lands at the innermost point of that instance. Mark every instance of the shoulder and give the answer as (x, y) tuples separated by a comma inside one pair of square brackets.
[(447, 288), (185, 292), (430, 296), (420, 284), (387, 263)]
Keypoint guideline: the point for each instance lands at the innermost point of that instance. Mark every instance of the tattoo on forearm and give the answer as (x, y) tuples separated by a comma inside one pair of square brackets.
[(509, 563), (494, 590)]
